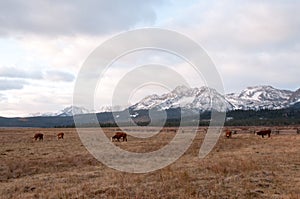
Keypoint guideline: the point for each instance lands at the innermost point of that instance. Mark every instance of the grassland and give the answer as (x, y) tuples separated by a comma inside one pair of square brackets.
[(245, 166)]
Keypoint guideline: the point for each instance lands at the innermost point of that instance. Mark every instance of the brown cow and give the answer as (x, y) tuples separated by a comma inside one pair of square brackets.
[(118, 136), (264, 132), (38, 136), (60, 136), (228, 134)]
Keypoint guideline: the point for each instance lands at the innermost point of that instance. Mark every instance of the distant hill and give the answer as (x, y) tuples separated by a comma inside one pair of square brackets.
[(68, 111)]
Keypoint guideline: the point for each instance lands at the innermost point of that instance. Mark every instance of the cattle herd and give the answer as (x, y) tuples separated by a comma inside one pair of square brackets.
[(40, 136), (121, 136), (262, 133)]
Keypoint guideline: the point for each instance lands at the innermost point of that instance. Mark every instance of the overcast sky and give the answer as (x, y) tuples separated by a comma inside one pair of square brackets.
[(43, 45)]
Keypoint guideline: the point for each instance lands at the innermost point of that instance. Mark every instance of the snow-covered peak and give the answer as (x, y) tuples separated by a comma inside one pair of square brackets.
[(68, 111), (202, 98), (181, 90), (262, 93), (74, 110), (260, 97)]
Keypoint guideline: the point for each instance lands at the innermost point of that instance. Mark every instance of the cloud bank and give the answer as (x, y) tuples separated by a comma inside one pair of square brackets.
[(73, 17)]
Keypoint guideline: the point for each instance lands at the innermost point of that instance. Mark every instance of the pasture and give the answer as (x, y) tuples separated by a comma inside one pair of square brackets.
[(243, 166)]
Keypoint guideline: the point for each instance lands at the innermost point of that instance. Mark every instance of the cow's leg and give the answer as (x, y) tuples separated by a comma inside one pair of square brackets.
[(262, 135)]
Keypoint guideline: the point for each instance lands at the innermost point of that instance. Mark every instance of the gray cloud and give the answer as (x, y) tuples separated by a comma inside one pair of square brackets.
[(243, 25), (13, 72), (251, 42), (74, 16), (11, 84), (54, 75)]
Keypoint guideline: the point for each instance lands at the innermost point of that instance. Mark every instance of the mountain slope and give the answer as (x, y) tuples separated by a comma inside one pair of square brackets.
[(295, 97), (203, 99), (260, 97)]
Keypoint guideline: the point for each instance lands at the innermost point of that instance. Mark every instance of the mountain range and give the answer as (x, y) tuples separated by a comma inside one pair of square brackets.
[(258, 105), (202, 99)]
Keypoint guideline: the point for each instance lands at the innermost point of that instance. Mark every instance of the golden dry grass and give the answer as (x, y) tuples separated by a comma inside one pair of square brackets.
[(245, 166)]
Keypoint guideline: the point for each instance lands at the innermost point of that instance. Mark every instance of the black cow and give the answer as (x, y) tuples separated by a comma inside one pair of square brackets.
[(38, 136), (264, 132)]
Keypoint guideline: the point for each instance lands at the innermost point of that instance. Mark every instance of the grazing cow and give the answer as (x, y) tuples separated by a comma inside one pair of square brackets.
[(60, 136), (38, 136), (228, 134), (264, 132), (118, 136)]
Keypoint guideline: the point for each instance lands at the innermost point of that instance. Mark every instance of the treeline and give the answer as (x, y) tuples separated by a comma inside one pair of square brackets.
[(176, 117), (263, 117)]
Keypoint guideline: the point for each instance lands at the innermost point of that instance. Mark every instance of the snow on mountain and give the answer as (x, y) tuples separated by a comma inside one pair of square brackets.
[(265, 93), (203, 98), (295, 97), (260, 97), (73, 110), (68, 111)]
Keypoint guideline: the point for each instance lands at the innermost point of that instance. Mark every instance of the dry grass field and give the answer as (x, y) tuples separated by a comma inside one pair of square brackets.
[(245, 166)]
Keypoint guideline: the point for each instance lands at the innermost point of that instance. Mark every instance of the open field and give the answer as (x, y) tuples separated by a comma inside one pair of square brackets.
[(245, 166)]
